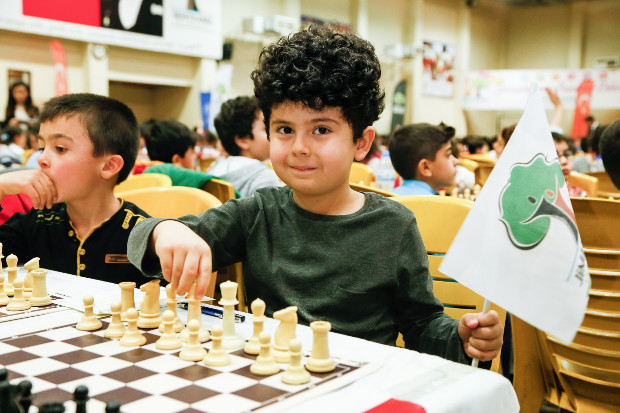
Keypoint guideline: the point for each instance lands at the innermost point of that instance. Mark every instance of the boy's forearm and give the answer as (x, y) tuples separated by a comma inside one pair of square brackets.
[(140, 247)]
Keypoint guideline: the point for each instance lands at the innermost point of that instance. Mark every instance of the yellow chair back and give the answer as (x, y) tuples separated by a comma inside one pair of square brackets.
[(366, 188), (586, 182), (606, 187), (361, 174), (439, 219), (143, 181), (171, 201), (221, 189)]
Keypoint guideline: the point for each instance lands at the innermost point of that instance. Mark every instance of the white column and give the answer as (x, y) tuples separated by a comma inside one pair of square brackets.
[(463, 52), (574, 59), (415, 37), (96, 65), (359, 17)]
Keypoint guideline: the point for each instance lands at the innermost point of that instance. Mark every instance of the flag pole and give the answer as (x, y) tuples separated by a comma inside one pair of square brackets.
[(485, 308)]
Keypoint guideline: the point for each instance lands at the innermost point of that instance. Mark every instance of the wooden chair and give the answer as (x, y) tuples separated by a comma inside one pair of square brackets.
[(26, 155), (366, 188), (173, 202), (225, 191), (143, 181), (469, 164), (206, 163), (586, 182), (606, 187), (583, 375), (361, 174), (439, 219), (485, 166), (221, 189)]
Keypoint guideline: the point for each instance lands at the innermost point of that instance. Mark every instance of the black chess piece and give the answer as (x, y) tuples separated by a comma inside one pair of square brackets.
[(112, 407), (4, 375), (24, 395), (7, 399), (51, 408), (80, 397)]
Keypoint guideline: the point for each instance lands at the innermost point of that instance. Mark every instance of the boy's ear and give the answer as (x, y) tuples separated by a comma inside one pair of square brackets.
[(176, 159), (243, 142), (363, 144), (424, 170), (112, 166)]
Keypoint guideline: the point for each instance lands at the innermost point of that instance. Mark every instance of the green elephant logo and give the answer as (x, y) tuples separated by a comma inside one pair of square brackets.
[(531, 199)]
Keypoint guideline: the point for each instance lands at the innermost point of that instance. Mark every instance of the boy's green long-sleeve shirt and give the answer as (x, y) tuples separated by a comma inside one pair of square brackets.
[(366, 273)]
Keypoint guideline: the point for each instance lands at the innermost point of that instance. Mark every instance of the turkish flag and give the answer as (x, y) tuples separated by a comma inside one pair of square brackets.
[(582, 109)]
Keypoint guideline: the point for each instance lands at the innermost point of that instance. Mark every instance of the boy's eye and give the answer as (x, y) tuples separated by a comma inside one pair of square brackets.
[(60, 149), (321, 130), (285, 130)]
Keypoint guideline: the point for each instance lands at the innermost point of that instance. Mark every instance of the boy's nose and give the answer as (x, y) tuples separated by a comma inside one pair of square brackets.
[(300, 145)]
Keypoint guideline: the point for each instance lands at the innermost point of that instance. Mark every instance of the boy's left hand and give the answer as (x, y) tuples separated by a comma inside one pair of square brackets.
[(482, 335)]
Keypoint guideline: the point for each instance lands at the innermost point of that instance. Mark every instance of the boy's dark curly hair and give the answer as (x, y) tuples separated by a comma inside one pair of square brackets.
[(168, 138), (320, 68), (235, 120)]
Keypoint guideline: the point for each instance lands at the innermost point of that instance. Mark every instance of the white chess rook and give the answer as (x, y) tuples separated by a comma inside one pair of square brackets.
[(230, 341), (39, 296), (320, 360)]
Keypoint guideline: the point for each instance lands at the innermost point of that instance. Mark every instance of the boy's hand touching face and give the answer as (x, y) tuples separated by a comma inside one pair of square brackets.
[(32, 182), (185, 257), (482, 335)]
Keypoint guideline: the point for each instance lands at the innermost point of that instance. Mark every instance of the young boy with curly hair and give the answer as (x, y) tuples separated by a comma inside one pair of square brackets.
[(241, 129), (353, 259), (78, 226), (422, 156)]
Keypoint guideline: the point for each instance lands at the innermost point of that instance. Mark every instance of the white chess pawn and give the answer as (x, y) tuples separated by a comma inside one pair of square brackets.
[(89, 321), (127, 297), (193, 350), (132, 336), (116, 329), (11, 270), (18, 302), (38, 294), (258, 319), (171, 304), (320, 360), (216, 356), (265, 365), (4, 299), (169, 339), (295, 373)]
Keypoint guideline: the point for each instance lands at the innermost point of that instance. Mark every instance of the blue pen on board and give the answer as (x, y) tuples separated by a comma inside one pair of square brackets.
[(215, 312)]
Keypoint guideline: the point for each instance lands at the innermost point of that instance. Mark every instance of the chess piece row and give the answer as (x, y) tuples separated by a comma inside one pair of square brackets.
[(19, 295)]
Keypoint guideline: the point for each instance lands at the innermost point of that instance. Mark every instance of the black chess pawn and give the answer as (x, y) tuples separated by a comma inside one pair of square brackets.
[(112, 407), (4, 375), (80, 397), (52, 408), (24, 395), (7, 399)]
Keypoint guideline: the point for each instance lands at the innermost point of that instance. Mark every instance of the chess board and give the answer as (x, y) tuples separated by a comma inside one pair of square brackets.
[(146, 379), (6, 315)]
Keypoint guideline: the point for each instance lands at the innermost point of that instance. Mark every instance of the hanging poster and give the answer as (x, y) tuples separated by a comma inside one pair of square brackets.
[(438, 69)]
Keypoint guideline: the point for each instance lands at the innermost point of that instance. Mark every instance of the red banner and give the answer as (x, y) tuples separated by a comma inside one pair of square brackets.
[(72, 11), (60, 67), (582, 109)]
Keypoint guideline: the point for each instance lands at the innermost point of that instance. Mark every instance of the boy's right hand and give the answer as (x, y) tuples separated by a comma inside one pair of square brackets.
[(185, 257), (32, 182)]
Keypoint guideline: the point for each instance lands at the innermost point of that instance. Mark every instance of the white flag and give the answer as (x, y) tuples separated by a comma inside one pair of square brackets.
[(519, 246)]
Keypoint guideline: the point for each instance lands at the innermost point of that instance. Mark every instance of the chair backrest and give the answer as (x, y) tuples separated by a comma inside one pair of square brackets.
[(206, 163), (143, 181), (365, 188), (439, 219), (171, 201), (586, 182), (221, 189), (470, 164), (361, 174), (585, 375), (606, 187), (485, 166)]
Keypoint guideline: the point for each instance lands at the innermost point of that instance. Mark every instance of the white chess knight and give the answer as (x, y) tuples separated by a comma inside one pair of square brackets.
[(284, 333), (230, 341), (150, 317)]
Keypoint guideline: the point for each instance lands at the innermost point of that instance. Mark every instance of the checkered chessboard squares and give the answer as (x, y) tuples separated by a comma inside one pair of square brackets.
[(143, 378), (6, 315)]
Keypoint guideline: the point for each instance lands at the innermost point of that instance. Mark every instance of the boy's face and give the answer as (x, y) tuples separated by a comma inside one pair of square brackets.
[(443, 168), (256, 147), (312, 151), (188, 161), (68, 159), (564, 154)]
